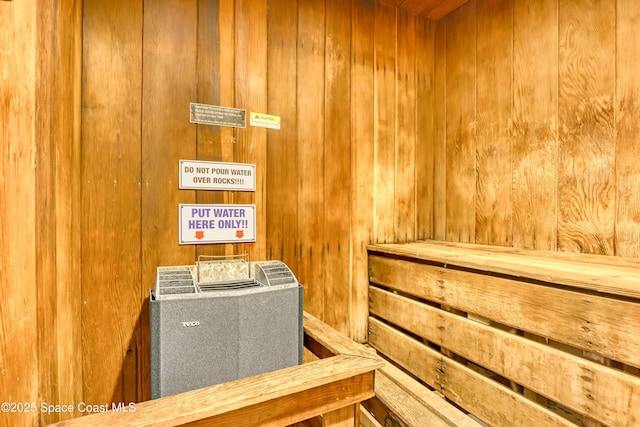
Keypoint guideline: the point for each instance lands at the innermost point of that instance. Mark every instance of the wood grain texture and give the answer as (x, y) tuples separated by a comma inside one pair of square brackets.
[(405, 157), (226, 32), (18, 313), (40, 355), (627, 167), (282, 147), (535, 118), (310, 121), (600, 392), (384, 123), (403, 406), (425, 128), (337, 165), (440, 133), (593, 323), (111, 211), (209, 145), (426, 397), (494, 94), (445, 8), (251, 94), (68, 203), (362, 158), (586, 88), (169, 84), (45, 224), (485, 398), (461, 124), (276, 398)]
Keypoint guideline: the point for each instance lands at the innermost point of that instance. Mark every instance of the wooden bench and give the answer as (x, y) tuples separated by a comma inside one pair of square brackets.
[(327, 392), (514, 337), (400, 400)]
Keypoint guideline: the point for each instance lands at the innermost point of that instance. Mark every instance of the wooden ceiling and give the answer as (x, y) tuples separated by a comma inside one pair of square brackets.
[(432, 9)]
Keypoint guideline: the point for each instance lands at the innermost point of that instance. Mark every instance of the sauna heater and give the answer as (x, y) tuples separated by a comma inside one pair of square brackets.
[(222, 320)]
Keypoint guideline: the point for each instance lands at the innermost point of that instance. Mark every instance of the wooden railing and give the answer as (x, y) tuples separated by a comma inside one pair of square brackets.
[(328, 390)]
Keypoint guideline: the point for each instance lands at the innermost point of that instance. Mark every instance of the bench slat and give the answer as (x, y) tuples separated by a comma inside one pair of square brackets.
[(607, 395), (485, 398), (616, 277), (590, 322)]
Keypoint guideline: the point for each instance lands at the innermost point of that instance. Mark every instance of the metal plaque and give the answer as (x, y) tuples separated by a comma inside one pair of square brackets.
[(215, 115)]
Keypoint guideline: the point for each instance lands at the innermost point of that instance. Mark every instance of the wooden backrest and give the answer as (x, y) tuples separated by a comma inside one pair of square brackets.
[(515, 337)]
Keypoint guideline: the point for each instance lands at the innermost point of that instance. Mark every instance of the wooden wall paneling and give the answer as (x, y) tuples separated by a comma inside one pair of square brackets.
[(440, 131), (111, 212), (251, 94), (534, 132), (461, 124), (384, 123), (405, 158), (45, 224), (444, 8), (627, 227), (18, 315), (209, 145), (362, 158), (310, 122), (169, 85), (494, 97), (586, 161), (68, 78), (282, 146), (337, 165), (425, 128), (226, 74)]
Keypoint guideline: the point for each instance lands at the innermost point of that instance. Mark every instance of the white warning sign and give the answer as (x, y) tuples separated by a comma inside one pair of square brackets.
[(201, 175), (200, 223)]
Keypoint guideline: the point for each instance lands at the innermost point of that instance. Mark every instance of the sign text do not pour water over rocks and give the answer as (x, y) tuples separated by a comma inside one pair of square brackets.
[(201, 175)]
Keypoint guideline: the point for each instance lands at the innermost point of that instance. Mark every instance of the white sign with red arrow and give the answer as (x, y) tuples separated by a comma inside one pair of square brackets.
[(201, 224)]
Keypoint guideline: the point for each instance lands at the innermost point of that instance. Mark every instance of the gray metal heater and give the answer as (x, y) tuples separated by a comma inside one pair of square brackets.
[(222, 320)]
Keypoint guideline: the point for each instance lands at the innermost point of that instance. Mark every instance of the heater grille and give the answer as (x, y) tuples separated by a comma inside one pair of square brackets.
[(226, 286)]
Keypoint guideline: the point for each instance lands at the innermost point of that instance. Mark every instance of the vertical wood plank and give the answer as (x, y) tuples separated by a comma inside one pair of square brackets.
[(251, 94), (282, 145), (111, 212), (208, 138), (405, 162), (586, 160), (18, 316), (425, 127), (44, 194), (440, 132), (337, 167), (461, 124), (227, 95), (343, 417), (362, 159), (384, 123), (169, 84), (535, 117), (627, 227), (68, 203), (493, 106), (310, 122)]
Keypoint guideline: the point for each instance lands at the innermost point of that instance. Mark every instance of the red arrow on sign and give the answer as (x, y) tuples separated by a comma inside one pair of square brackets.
[(239, 234), (199, 235)]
